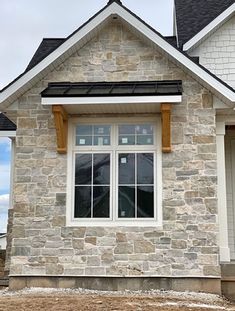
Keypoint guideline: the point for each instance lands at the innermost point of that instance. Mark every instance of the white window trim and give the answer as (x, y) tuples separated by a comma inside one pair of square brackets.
[(70, 221)]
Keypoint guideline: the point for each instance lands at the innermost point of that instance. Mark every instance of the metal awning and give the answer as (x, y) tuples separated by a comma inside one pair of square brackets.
[(113, 89)]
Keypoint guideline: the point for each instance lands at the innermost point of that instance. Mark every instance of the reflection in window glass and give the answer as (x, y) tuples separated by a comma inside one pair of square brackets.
[(126, 168), (145, 202), (136, 184), (101, 171), (92, 201), (83, 169), (82, 202), (145, 168), (101, 197), (126, 202)]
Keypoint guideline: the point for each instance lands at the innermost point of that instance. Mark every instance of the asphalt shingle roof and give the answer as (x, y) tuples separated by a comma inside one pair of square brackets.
[(46, 47), (6, 124), (193, 15)]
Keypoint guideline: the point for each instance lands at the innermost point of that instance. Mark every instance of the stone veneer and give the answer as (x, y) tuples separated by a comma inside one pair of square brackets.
[(186, 246)]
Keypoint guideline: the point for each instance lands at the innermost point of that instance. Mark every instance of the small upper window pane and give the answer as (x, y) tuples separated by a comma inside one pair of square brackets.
[(136, 134), (82, 130), (93, 135)]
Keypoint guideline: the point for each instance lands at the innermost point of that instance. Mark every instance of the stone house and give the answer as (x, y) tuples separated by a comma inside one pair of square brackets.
[(124, 154)]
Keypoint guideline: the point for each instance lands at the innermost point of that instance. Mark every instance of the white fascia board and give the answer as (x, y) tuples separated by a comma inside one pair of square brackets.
[(110, 100), (209, 28), (7, 134), (114, 8)]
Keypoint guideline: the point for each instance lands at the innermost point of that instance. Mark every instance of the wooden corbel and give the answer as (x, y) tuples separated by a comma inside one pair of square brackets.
[(61, 125), (166, 127)]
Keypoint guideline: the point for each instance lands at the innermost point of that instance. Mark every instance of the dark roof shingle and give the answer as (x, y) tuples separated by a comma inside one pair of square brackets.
[(192, 16), (46, 47), (6, 124)]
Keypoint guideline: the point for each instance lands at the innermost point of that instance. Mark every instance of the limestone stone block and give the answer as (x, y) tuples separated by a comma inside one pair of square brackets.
[(27, 123), (179, 244), (144, 246), (54, 269), (123, 248), (78, 243)]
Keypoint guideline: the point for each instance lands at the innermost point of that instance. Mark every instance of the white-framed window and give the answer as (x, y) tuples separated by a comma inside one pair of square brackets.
[(114, 172)]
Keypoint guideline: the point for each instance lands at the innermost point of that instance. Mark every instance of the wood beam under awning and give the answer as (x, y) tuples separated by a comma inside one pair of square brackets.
[(61, 125), (166, 127)]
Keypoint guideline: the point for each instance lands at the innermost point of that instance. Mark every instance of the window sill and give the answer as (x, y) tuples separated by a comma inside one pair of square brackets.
[(129, 223)]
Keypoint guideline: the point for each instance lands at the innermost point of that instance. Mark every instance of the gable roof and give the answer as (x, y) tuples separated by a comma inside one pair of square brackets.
[(45, 48), (88, 30), (6, 124), (192, 16)]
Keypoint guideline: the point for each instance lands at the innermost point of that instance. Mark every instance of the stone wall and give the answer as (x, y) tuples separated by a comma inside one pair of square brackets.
[(2, 262), (217, 52), (186, 246)]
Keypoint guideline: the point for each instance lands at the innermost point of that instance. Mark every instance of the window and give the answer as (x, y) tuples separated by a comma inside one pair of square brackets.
[(114, 172)]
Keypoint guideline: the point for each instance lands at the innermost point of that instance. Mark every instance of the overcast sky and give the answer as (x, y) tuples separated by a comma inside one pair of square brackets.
[(23, 24)]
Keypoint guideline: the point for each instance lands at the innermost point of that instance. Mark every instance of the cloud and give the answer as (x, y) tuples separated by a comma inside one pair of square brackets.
[(4, 202), (5, 144), (4, 178)]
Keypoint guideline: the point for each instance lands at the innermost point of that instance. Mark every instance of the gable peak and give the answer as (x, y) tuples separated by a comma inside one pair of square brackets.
[(117, 1)]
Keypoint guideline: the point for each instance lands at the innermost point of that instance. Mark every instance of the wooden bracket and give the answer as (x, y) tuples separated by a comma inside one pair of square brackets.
[(166, 127), (61, 125)]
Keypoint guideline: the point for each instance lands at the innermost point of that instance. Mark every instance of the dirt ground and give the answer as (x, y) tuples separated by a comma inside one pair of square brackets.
[(52, 300)]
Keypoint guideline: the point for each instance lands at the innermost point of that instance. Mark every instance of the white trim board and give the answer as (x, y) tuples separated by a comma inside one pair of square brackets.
[(110, 100), (88, 30), (7, 133), (212, 26)]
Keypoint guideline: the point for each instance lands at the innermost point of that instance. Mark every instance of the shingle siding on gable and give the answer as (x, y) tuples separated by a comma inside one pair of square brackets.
[(187, 243), (217, 53), (193, 16)]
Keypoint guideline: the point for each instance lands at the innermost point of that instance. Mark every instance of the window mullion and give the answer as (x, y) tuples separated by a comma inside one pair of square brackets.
[(135, 185), (92, 181)]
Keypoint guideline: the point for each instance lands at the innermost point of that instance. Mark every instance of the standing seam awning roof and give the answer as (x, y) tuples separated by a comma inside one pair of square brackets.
[(96, 89)]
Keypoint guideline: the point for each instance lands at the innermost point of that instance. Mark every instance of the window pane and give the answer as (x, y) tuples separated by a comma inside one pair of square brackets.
[(83, 169), (82, 206), (126, 129), (126, 202), (102, 130), (84, 130), (84, 140), (101, 170), (126, 170), (145, 168), (102, 140), (144, 129), (145, 202), (126, 140), (145, 140), (101, 202)]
